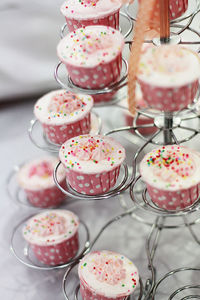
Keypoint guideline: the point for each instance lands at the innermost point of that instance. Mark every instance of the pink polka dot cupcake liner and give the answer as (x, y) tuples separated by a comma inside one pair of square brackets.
[(104, 97), (174, 200), (177, 8), (112, 21), (169, 98), (88, 294), (96, 77), (57, 254), (92, 184), (58, 134), (49, 197)]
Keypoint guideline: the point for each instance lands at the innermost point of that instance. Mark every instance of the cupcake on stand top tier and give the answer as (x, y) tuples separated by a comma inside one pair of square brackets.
[(91, 12)]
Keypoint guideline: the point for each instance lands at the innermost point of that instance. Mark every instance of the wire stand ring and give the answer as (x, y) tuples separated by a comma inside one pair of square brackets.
[(47, 145), (145, 221), (76, 295), (69, 85), (181, 289), (74, 194), (159, 123), (121, 14), (26, 257), (153, 208)]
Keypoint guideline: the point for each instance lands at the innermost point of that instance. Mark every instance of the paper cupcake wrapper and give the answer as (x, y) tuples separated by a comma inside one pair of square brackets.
[(169, 99), (97, 77), (59, 134), (177, 8), (92, 184), (57, 254), (112, 20), (173, 200), (88, 294), (49, 197), (141, 121)]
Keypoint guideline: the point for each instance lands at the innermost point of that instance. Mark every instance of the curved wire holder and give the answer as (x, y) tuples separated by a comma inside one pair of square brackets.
[(92, 243), (46, 145), (166, 124), (193, 8), (74, 194), (185, 292), (121, 14), (24, 254), (183, 222), (17, 194), (69, 85)]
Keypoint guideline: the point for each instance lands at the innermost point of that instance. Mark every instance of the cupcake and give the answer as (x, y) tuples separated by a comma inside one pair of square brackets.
[(64, 115), (169, 76), (91, 12), (36, 179), (92, 163), (93, 57), (107, 275), (176, 8), (53, 236), (171, 174)]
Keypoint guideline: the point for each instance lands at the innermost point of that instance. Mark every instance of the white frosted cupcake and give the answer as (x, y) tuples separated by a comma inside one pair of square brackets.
[(64, 114), (36, 178), (53, 236), (107, 275), (92, 163), (93, 57), (171, 174), (169, 76), (91, 12)]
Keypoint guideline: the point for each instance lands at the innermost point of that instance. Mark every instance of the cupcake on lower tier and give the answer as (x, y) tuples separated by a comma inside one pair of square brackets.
[(53, 236), (169, 76), (91, 12), (36, 179), (92, 163), (64, 114), (107, 275), (171, 174), (93, 57)]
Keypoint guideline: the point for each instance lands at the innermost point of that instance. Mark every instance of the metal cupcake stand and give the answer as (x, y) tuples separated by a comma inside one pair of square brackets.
[(170, 129)]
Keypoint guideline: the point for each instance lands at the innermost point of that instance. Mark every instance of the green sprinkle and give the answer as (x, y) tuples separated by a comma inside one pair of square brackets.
[(85, 264)]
